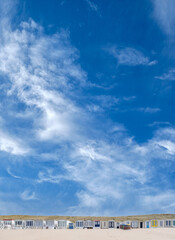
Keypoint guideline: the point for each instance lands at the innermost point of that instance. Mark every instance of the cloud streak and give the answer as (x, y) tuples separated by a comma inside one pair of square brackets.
[(130, 56), (164, 15), (92, 5), (28, 195)]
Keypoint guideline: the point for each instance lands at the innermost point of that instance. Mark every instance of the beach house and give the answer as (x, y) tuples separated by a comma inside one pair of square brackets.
[(104, 224), (8, 223), (148, 224), (62, 224), (29, 224), (117, 225), (134, 224), (97, 224), (70, 225), (79, 224), (89, 224), (154, 223), (39, 224), (168, 223), (173, 223), (141, 224), (50, 224), (19, 224), (111, 224), (160, 223), (1, 224)]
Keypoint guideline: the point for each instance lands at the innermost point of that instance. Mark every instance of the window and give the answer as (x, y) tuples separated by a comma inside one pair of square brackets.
[(7, 223), (18, 223), (29, 223)]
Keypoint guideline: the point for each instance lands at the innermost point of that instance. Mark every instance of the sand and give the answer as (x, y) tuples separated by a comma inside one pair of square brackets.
[(84, 234)]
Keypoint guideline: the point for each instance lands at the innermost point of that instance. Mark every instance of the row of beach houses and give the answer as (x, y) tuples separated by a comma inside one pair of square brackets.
[(80, 224)]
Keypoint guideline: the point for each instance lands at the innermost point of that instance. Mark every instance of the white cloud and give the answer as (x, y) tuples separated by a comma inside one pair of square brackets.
[(28, 195), (162, 201), (164, 13), (92, 5), (149, 110), (128, 99), (88, 199), (152, 63), (168, 145), (13, 175), (49, 176), (155, 123), (110, 171), (42, 70), (94, 108), (167, 76), (12, 144), (129, 56), (103, 170)]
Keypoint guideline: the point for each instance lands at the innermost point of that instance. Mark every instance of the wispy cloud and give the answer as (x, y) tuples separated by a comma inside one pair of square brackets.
[(49, 176), (13, 175), (160, 201), (92, 5), (11, 144), (170, 75), (155, 123), (129, 56), (36, 84), (168, 145), (149, 110), (164, 13), (28, 195)]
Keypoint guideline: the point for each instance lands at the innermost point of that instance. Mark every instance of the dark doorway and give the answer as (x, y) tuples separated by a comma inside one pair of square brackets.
[(141, 224)]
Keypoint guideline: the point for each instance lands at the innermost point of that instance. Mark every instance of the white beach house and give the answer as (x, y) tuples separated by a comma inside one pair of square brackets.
[(39, 224), (29, 224), (111, 224), (19, 224), (62, 224), (168, 223), (134, 224), (173, 223), (50, 224), (117, 225), (8, 223), (104, 224), (1, 224), (88, 224), (161, 223), (79, 224)]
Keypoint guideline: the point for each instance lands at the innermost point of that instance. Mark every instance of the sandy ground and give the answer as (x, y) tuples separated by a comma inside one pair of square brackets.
[(95, 234)]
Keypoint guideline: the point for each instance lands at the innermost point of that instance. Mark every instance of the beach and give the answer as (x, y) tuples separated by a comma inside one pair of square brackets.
[(84, 234)]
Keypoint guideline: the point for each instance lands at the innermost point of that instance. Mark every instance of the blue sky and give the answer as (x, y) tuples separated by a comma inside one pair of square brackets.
[(87, 107)]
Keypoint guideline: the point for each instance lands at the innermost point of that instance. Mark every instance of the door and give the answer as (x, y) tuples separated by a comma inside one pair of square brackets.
[(141, 224), (147, 224)]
